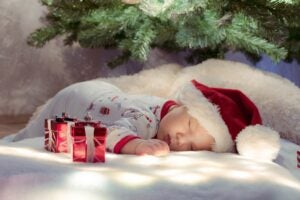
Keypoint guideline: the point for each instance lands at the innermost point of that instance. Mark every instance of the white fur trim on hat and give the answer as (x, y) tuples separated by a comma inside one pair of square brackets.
[(258, 142), (208, 116)]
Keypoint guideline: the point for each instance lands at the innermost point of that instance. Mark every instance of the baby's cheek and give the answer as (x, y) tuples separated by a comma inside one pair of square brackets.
[(164, 128)]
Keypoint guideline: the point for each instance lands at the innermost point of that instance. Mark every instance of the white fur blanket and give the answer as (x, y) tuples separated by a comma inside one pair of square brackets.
[(27, 171)]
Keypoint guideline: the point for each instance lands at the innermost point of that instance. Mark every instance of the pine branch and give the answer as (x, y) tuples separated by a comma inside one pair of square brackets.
[(255, 45), (142, 41), (196, 26), (41, 36), (192, 33), (155, 7), (183, 7), (291, 2)]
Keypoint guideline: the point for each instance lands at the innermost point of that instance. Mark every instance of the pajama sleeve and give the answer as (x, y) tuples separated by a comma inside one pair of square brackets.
[(133, 124), (118, 137)]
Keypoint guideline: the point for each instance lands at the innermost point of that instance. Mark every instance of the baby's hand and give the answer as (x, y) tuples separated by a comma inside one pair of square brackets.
[(152, 147), (146, 147)]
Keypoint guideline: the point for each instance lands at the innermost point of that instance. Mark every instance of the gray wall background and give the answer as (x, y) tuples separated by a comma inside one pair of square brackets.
[(29, 76)]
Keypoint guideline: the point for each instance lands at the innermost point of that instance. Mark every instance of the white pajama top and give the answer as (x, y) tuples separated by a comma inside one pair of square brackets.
[(125, 116)]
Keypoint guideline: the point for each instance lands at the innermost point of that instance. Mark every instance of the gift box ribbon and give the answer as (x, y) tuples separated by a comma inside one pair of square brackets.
[(50, 137), (69, 137), (90, 145)]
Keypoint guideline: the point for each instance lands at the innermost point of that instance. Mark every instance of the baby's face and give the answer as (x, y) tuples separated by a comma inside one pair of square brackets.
[(182, 132)]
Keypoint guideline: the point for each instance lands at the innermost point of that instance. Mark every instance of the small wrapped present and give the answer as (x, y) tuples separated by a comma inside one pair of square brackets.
[(58, 133), (89, 140)]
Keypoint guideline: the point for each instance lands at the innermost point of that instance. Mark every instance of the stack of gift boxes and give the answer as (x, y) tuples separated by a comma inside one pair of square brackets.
[(83, 139)]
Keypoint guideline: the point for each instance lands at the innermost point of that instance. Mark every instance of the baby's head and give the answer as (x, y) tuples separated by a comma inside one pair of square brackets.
[(219, 120), (183, 132), (194, 124)]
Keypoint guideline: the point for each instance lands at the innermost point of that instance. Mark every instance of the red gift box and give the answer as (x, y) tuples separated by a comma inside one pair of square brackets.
[(89, 142), (58, 134)]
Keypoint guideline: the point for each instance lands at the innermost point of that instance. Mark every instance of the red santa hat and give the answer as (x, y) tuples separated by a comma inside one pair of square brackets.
[(232, 119)]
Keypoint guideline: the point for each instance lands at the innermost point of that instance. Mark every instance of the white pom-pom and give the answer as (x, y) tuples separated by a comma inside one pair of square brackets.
[(258, 142)]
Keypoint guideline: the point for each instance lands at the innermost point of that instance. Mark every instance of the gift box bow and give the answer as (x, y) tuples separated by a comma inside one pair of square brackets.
[(58, 133)]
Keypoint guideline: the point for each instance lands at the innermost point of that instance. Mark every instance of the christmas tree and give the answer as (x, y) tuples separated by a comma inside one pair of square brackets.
[(202, 28)]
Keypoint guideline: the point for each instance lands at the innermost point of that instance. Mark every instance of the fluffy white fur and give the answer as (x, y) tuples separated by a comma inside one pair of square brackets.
[(258, 142), (276, 98)]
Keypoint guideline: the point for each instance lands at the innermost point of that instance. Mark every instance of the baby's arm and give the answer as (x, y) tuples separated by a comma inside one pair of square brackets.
[(132, 133), (146, 147), (123, 140)]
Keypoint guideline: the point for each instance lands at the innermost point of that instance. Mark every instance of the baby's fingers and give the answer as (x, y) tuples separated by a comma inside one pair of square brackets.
[(153, 147), (160, 148), (145, 150)]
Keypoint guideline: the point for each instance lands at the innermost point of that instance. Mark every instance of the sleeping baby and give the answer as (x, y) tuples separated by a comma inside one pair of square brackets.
[(197, 118)]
